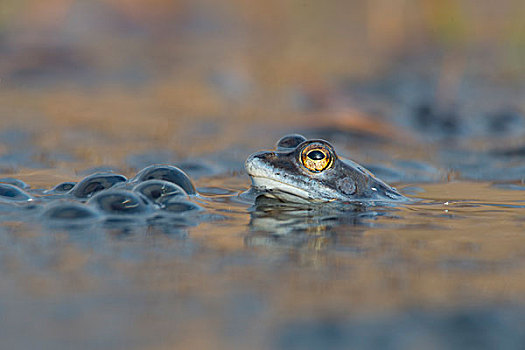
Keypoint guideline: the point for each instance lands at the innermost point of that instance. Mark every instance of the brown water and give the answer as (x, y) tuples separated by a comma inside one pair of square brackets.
[(445, 271), (118, 85)]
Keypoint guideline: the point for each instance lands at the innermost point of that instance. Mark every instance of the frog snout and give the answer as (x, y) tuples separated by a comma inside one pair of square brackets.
[(258, 161)]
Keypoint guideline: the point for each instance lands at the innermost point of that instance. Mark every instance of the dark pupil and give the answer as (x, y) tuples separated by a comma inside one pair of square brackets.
[(316, 155)]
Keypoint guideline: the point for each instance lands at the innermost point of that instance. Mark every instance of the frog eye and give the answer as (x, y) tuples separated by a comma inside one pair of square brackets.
[(316, 158)]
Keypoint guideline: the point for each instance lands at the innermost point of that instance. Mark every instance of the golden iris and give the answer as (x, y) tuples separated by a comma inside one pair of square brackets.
[(316, 158)]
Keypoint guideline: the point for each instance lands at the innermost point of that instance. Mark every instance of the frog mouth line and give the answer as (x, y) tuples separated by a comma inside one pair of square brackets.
[(272, 185)]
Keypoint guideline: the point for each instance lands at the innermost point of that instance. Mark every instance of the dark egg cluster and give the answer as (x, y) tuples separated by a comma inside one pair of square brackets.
[(155, 191)]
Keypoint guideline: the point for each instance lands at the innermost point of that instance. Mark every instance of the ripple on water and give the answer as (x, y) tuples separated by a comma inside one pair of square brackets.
[(120, 202), (15, 182), (216, 191), (177, 206), (96, 183), (12, 193), (69, 210), (63, 187), (167, 173), (159, 191)]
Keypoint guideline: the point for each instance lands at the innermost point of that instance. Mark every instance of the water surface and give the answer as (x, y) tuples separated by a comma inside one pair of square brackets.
[(427, 95), (272, 276)]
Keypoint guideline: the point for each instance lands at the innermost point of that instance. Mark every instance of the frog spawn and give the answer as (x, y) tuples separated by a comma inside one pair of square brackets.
[(158, 191)]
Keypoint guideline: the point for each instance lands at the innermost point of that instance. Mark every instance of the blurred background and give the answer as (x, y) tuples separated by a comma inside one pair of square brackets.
[(100, 78), (428, 94)]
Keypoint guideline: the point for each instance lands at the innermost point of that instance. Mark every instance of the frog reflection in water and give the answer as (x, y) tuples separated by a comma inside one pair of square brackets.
[(302, 170)]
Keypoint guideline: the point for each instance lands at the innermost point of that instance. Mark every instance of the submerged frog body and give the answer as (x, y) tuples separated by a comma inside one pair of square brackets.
[(302, 170)]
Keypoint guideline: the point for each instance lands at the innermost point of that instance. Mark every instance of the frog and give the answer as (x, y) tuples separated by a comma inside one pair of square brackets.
[(299, 170)]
